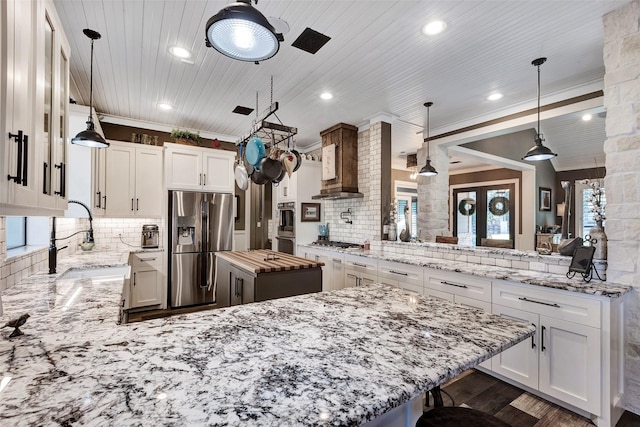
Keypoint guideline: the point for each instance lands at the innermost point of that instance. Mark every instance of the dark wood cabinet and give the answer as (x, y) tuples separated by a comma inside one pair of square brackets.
[(345, 139)]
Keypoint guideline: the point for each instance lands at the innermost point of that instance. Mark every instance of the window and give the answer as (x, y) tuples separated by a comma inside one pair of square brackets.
[(16, 232), (587, 213), (583, 205)]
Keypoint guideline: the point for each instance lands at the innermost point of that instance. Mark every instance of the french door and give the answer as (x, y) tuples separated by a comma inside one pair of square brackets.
[(484, 215)]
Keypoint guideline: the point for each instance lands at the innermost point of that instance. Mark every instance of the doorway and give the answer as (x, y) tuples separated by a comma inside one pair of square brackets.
[(484, 215)]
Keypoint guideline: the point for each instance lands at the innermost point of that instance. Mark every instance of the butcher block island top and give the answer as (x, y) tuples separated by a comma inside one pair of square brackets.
[(267, 261)]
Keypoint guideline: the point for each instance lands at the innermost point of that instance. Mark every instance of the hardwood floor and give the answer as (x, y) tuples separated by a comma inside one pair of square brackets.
[(477, 390)]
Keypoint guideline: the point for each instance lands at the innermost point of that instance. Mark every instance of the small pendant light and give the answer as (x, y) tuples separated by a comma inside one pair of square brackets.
[(539, 151), (89, 137), (428, 169), (241, 32)]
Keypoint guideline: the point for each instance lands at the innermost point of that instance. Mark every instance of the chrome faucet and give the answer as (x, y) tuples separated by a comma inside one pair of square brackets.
[(53, 250)]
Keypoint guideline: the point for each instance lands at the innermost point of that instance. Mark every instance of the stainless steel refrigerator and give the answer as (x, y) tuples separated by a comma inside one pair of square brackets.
[(201, 225)]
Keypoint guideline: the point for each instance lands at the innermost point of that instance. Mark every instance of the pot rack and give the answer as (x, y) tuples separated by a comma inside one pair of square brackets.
[(271, 133)]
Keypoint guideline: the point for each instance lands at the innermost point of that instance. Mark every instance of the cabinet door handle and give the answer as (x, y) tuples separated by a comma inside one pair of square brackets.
[(339, 261), (25, 160), (542, 348), (200, 181), (137, 204), (131, 204), (134, 279), (444, 282), (539, 302), (204, 179), (398, 272), (44, 177), (61, 167), (99, 194), (18, 140), (358, 281), (359, 265), (240, 286), (104, 205), (533, 343), (147, 259)]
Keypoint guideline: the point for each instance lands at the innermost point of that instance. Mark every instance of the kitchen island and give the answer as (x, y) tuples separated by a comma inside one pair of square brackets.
[(260, 275), (331, 358)]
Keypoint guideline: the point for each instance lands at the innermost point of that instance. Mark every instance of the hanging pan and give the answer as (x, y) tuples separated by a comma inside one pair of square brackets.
[(255, 150), (242, 178)]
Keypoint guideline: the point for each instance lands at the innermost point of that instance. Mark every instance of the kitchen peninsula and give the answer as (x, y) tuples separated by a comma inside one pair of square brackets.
[(336, 358)]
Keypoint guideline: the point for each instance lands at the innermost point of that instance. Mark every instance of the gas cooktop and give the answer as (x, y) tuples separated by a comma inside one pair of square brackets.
[(336, 244)]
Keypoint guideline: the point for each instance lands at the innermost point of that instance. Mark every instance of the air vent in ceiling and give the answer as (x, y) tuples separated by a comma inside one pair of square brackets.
[(245, 111), (310, 41)]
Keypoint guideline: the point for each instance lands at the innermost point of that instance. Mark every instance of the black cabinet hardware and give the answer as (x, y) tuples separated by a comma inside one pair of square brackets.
[(533, 343), (543, 348), (62, 168), (18, 140), (45, 166), (398, 272), (538, 302), (137, 204), (99, 194), (444, 282), (359, 265)]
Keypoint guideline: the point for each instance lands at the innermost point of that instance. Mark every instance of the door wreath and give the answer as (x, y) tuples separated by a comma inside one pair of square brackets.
[(499, 205), (467, 207)]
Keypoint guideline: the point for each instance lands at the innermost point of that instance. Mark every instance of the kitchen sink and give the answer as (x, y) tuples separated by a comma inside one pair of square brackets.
[(91, 273)]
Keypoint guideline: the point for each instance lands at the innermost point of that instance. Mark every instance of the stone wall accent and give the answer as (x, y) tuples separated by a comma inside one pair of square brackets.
[(622, 149), (433, 195)]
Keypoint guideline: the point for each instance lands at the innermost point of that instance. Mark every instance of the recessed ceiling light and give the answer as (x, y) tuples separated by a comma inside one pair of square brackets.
[(587, 117), (326, 96), (164, 106), (179, 52), (433, 28), (494, 96)]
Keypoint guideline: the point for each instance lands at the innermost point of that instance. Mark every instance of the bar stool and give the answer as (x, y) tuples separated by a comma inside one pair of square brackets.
[(452, 416)]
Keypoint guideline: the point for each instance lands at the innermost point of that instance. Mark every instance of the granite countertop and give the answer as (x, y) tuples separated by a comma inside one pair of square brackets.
[(530, 277), (333, 358)]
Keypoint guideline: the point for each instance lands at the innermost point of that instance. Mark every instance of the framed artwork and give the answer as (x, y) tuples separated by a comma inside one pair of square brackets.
[(310, 212), (544, 199)]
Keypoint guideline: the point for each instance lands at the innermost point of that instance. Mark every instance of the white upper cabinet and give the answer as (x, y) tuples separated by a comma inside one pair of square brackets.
[(133, 180), (34, 120), (199, 169)]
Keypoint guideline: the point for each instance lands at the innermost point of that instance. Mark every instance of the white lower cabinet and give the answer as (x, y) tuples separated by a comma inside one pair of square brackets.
[(337, 272), (409, 277), (563, 360), (318, 255), (146, 283), (359, 271)]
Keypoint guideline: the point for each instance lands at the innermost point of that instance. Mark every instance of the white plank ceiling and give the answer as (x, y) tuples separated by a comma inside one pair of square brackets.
[(377, 61)]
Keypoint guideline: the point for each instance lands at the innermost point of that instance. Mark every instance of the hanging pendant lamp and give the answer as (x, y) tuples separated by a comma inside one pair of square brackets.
[(428, 169), (89, 137), (539, 151), (241, 32)]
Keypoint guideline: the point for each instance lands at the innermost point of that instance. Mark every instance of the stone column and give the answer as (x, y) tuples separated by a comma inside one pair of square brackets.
[(622, 181), (433, 195)]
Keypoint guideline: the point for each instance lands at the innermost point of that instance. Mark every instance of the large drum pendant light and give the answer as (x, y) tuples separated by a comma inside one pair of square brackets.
[(241, 32), (428, 169), (539, 151), (89, 137)]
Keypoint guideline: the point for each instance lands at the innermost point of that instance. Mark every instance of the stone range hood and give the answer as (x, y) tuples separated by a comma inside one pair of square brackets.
[(339, 163)]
